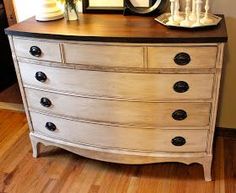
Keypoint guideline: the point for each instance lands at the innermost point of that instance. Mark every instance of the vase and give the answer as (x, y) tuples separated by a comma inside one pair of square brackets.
[(71, 12)]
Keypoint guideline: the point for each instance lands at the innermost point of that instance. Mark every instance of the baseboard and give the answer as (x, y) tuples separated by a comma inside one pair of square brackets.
[(12, 106), (225, 132)]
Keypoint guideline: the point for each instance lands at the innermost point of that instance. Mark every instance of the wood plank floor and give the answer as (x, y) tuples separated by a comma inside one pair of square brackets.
[(58, 171)]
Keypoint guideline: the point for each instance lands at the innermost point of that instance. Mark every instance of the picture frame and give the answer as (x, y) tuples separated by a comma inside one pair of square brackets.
[(114, 6)]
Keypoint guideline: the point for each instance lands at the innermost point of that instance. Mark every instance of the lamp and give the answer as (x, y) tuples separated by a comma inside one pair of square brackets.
[(48, 11)]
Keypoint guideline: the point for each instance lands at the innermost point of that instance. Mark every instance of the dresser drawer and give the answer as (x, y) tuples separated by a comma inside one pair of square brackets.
[(121, 112), (135, 86), (120, 137), (182, 57), (37, 49), (100, 55)]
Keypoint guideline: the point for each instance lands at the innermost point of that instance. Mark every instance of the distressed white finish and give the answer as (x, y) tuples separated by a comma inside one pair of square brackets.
[(133, 139), (119, 56), (50, 51), (163, 57), (141, 114), (128, 86), (122, 113)]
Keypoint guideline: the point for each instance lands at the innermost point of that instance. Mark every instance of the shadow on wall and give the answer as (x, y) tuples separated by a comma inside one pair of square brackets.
[(227, 106)]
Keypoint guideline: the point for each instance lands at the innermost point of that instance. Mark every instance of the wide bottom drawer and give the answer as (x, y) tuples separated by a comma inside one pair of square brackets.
[(133, 138)]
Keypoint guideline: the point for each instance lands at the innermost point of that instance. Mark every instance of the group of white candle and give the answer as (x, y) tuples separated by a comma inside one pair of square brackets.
[(191, 17)]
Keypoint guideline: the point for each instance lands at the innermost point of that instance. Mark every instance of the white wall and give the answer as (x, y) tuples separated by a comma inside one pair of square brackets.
[(27, 8), (24, 9), (227, 110)]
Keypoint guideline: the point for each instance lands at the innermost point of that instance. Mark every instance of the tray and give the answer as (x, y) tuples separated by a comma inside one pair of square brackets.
[(164, 18)]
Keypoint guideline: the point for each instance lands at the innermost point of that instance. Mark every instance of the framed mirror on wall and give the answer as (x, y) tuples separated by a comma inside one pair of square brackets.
[(103, 6), (141, 7)]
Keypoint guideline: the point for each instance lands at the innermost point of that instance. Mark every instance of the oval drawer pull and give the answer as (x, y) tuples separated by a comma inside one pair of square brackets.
[(45, 102), (181, 87), (179, 115), (41, 77), (178, 141), (182, 59), (51, 126), (35, 51)]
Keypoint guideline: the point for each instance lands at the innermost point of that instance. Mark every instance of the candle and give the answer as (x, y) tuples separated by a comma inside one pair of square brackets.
[(206, 19), (172, 10), (198, 12), (187, 22), (193, 14), (177, 16)]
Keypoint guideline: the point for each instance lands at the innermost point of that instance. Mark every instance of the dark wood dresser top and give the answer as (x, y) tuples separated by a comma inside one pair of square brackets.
[(116, 28)]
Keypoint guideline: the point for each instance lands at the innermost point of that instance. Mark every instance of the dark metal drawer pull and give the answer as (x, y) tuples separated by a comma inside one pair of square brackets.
[(179, 115), (178, 141), (40, 76), (182, 59), (181, 87), (51, 126), (35, 51), (45, 102)]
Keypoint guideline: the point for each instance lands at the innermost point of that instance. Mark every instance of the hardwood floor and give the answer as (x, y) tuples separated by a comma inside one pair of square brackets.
[(58, 171)]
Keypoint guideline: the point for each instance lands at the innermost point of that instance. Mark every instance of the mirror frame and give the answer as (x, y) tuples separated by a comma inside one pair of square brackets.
[(156, 7), (88, 9)]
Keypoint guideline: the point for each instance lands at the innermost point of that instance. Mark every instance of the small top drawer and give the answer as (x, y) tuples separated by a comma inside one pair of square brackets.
[(104, 55), (182, 57), (39, 50)]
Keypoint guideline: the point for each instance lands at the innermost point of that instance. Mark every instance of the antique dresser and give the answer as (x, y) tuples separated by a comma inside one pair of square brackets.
[(120, 89)]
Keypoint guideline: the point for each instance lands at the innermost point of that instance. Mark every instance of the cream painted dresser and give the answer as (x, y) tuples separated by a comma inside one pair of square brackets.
[(120, 89)]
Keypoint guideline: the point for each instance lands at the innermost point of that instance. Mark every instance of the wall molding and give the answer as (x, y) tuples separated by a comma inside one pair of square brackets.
[(225, 132), (12, 106)]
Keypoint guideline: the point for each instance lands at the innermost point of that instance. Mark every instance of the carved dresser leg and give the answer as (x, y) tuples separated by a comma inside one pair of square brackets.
[(207, 168), (34, 147)]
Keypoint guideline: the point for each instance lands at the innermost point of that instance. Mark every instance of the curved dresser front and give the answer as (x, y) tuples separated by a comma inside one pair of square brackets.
[(132, 103)]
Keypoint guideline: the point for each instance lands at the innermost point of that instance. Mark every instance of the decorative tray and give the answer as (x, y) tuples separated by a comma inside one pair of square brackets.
[(164, 18)]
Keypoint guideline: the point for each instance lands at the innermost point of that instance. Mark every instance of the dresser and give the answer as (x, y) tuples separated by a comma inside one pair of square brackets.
[(120, 89)]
